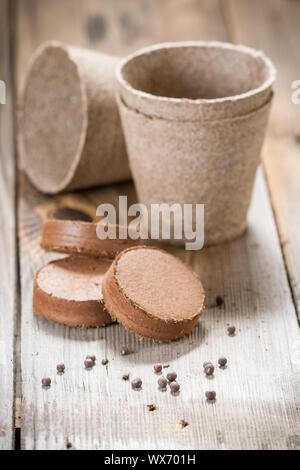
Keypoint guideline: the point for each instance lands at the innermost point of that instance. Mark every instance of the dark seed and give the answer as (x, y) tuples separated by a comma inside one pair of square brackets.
[(93, 358), (209, 370), (171, 376), (60, 368), (104, 362), (151, 407), (165, 366), (175, 387), (222, 361), (162, 382), (219, 300), (183, 424), (210, 395), (125, 376), (136, 383), (124, 351), (88, 363), (207, 364), (231, 330), (157, 368), (46, 382)]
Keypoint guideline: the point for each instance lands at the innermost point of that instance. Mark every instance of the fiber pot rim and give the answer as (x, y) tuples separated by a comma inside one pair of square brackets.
[(54, 188), (140, 99)]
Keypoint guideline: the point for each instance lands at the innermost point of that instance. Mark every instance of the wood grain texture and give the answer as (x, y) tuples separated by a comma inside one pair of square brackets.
[(7, 239), (257, 393), (277, 32)]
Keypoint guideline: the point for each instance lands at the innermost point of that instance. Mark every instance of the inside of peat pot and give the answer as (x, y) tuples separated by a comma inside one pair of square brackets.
[(195, 72), (53, 118)]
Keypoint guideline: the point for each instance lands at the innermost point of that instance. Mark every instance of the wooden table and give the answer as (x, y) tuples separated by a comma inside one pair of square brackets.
[(258, 394)]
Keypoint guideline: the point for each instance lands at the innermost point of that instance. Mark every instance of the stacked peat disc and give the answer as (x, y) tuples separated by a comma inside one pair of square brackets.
[(69, 290), (150, 292)]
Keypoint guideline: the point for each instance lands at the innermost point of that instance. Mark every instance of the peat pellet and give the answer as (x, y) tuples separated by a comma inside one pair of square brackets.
[(153, 294), (174, 387), (68, 291), (70, 131), (136, 383), (76, 236), (46, 382), (157, 368), (171, 376)]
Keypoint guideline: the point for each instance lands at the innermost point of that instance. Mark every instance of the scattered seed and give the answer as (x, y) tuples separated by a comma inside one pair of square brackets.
[(46, 382), (89, 363), (231, 330), (210, 395), (209, 369), (93, 358), (208, 363), (165, 366), (157, 368), (162, 382), (136, 383), (222, 361), (219, 300), (182, 424), (125, 376), (60, 368), (104, 362), (124, 351), (151, 407), (175, 387), (171, 376)]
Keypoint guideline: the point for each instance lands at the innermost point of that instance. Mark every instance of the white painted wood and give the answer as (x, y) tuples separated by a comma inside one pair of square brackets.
[(257, 394), (256, 405), (7, 240), (277, 32)]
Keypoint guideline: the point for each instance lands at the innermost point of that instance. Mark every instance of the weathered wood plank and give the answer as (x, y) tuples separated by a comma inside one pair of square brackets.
[(256, 406), (277, 32), (8, 288)]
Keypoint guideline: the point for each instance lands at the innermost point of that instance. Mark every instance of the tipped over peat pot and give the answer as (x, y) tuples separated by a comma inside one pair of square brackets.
[(70, 131), (194, 116)]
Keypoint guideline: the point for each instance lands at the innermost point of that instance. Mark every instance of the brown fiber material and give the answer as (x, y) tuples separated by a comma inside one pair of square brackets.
[(68, 291), (196, 145), (70, 133), (153, 294), (69, 236)]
